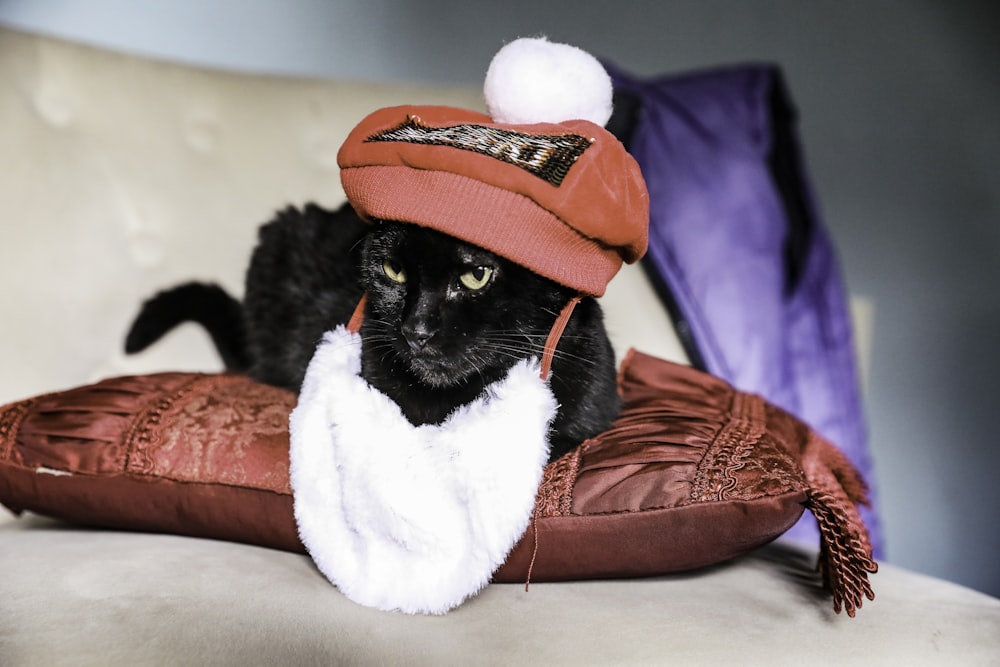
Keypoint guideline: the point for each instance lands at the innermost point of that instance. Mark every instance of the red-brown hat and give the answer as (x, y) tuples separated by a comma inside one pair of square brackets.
[(563, 198)]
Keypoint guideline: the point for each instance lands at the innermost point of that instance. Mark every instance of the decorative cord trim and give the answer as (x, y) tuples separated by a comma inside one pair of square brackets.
[(845, 558), (11, 417), (555, 497), (715, 478), (141, 438), (555, 493)]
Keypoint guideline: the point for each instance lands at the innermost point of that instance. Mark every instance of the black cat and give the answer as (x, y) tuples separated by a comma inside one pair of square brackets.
[(444, 318)]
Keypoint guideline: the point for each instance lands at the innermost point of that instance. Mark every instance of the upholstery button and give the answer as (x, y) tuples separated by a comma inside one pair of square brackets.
[(53, 106), (201, 132)]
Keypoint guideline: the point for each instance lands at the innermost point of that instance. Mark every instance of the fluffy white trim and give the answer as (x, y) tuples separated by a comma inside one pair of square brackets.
[(533, 80), (413, 518)]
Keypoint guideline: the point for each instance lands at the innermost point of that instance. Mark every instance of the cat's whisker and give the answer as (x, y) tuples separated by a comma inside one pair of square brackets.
[(535, 349)]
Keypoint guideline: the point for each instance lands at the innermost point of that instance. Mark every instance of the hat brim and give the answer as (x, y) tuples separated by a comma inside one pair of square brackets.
[(504, 222)]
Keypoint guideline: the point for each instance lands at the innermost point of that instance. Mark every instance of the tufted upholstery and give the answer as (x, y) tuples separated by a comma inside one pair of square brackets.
[(121, 176)]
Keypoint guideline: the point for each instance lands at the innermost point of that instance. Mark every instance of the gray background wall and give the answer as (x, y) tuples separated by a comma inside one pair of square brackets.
[(900, 104)]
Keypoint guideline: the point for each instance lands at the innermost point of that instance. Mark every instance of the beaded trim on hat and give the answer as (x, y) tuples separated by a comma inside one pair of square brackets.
[(547, 156)]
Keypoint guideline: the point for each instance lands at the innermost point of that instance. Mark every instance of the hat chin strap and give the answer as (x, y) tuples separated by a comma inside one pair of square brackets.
[(555, 333), (548, 351), (358, 316)]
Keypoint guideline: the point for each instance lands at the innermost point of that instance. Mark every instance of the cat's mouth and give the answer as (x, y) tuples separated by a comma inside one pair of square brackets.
[(443, 368), (435, 369)]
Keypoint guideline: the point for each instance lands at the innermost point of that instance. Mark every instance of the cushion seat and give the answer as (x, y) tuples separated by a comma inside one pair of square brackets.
[(83, 597)]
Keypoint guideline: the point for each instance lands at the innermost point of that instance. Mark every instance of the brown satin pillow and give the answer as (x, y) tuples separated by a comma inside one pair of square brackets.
[(691, 474)]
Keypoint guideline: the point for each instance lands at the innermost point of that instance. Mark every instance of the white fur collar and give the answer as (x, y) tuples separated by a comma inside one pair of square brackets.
[(413, 518)]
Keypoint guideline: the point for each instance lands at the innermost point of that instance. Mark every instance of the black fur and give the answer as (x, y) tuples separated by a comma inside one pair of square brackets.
[(303, 280), (428, 342), (207, 304)]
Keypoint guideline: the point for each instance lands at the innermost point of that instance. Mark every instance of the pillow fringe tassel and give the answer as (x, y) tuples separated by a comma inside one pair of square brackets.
[(835, 490)]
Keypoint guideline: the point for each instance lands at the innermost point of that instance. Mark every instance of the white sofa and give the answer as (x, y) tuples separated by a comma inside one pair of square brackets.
[(121, 176)]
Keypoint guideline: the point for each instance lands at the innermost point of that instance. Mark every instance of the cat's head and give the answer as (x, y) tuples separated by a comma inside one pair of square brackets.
[(446, 311)]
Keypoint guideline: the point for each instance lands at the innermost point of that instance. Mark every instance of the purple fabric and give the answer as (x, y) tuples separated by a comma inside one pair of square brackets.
[(740, 252)]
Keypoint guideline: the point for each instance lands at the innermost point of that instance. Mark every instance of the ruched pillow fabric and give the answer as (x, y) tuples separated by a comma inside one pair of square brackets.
[(692, 473)]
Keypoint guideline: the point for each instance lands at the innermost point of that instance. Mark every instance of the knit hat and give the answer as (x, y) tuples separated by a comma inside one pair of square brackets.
[(539, 181)]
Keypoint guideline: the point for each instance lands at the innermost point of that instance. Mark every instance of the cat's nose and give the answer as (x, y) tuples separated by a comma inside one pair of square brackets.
[(417, 337)]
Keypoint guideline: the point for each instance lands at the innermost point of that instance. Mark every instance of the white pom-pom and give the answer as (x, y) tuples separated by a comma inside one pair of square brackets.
[(533, 80)]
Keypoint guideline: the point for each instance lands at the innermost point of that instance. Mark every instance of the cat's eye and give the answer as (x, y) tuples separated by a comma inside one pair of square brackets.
[(476, 278), (394, 271)]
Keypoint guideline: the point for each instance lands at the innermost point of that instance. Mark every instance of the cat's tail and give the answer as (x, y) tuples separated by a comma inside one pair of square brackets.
[(206, 304)]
